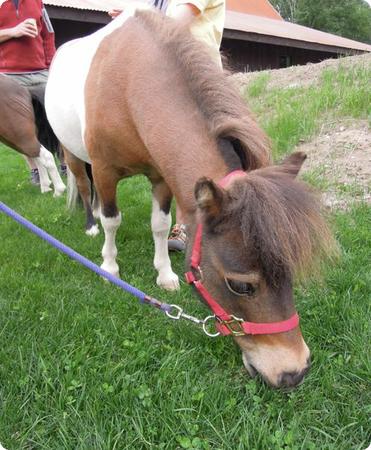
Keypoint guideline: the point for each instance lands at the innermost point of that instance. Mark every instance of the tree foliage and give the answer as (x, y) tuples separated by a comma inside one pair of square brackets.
[(287, 8), (347, 18)]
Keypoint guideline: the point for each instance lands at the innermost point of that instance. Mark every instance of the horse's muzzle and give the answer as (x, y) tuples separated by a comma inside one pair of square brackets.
[(293, 379)]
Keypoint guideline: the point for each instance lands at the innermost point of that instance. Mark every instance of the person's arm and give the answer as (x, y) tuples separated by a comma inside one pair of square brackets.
[(48, 37), (24, 28)]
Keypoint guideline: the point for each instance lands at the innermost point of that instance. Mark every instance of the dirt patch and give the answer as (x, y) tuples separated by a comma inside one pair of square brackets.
[(301, 76), (339, 157)]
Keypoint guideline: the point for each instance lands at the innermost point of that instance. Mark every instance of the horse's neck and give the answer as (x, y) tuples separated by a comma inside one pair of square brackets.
[(185, 151)]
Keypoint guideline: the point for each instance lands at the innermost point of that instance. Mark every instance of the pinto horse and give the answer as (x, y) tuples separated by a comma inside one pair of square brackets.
[(18, 130), (141, 96)]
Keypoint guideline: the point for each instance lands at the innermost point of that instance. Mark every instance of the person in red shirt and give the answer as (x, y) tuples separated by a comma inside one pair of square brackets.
[(27, 47)]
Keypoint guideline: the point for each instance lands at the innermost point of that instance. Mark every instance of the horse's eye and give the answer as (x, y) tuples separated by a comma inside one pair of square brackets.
[(240, 287)]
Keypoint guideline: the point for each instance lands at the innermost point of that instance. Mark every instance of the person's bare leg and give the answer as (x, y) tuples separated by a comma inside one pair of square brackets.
[(177, 237)]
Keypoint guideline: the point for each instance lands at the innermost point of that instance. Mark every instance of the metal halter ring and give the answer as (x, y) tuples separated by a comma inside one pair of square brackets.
[(204, 324)]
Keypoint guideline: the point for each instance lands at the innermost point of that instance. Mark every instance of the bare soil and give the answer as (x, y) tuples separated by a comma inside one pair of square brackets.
[(341, 155), (301, 76), (341, 152)]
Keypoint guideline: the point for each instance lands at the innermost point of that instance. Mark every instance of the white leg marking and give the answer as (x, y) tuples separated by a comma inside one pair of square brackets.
[(48, 162), (109, 250), (43, 175), (72, 191), (96, 212), (93, 231), (161, 223), (96, 206)]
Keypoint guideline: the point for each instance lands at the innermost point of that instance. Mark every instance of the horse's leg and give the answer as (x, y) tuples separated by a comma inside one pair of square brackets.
[(161, 222), (47, 160), (26, 143), (78, 179), (106, 183), (95, 204), (45, 181)]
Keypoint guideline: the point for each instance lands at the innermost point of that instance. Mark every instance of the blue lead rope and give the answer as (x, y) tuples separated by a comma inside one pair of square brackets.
[(84, 261)]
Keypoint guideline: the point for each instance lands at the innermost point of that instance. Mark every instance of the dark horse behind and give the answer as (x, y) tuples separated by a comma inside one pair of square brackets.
[(163, 108)]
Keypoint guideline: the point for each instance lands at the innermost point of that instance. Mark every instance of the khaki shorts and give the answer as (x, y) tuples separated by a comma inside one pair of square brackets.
[(35, 82), (30, 78)]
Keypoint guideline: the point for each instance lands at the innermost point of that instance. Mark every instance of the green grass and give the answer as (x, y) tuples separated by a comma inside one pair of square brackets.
[(84, 366), (290, 115), (258, 86)]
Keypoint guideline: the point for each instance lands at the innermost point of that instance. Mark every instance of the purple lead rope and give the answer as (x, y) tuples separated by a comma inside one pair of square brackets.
[(84, 261)]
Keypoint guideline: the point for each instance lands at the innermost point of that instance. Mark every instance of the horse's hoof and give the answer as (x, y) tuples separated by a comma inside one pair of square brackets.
[(170, 283), (58, 193), (92, 231), (59, 190), (110, 268), (45, 189)]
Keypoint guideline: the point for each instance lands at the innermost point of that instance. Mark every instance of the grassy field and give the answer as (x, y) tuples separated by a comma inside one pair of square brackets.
[(292, 114), (84, 366)]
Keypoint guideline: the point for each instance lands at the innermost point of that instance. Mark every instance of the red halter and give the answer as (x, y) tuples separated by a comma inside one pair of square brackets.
[(226, 323)]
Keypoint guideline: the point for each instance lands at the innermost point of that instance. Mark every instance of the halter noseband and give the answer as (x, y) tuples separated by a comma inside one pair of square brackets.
[(227, 323)]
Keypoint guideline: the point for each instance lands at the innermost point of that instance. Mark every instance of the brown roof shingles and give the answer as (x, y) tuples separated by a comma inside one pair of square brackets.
[(93, 5), (255, 7), (278, 28)]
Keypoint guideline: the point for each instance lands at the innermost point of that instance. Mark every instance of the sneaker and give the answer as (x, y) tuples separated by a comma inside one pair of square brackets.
[(35, 178), (177, 239), (63, 170)]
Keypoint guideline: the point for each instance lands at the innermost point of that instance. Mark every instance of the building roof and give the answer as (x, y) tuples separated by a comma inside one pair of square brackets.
[(92, 5), (255, 7), (247, 23), (263, 26)]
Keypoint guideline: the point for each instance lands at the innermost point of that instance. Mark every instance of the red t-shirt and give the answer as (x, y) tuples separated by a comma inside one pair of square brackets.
[(25, 54)]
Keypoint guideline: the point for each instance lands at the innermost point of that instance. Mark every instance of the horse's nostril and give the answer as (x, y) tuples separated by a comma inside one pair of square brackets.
[(292, 379)]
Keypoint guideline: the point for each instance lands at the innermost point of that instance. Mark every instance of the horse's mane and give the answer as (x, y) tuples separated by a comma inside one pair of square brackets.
[(282, 217), (226, 114)]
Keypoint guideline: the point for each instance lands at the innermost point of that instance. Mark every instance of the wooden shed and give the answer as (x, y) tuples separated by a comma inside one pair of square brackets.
[(255, 35)]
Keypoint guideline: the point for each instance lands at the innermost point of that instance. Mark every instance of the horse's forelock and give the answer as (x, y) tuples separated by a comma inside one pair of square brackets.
[(226, 114), (282, 218)]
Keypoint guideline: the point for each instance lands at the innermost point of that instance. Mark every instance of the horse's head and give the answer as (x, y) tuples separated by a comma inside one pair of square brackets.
[(257, 233)]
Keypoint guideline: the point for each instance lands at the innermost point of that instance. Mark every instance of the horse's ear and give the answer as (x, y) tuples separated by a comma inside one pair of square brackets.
[(292, 163), (209, 197)]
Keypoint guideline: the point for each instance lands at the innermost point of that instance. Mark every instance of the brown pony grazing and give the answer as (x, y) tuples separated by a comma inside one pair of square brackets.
[(18, 130), (161, 107)]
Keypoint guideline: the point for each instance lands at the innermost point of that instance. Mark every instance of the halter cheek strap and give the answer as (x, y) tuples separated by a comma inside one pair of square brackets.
[(226, 323)]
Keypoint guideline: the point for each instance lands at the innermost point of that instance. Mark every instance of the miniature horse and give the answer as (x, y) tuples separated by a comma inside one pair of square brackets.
[(161, 107), (18, 130)]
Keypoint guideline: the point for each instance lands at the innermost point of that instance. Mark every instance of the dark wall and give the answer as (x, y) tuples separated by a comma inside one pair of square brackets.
[(66, 30), (252, 56)]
